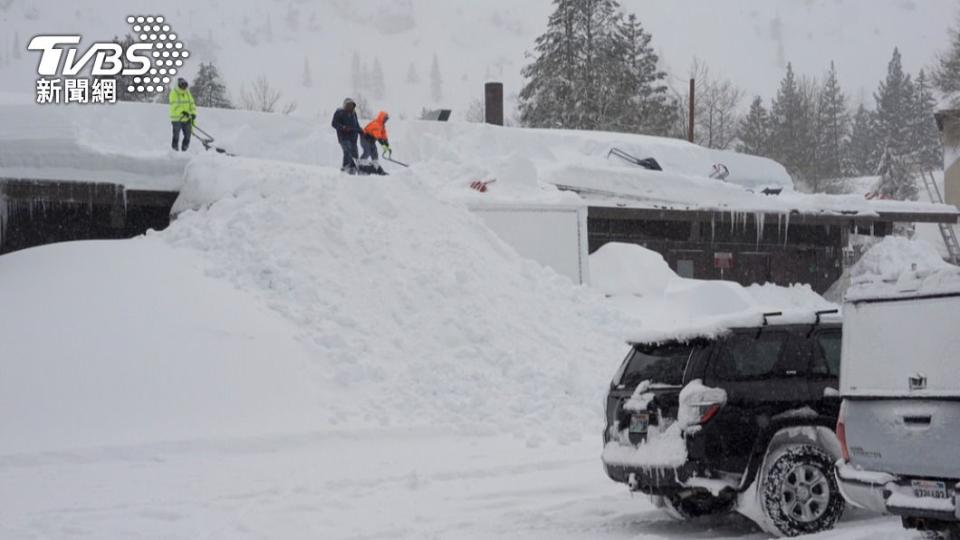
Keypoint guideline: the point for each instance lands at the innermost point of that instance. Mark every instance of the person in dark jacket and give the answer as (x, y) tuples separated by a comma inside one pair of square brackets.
[(348, 130)]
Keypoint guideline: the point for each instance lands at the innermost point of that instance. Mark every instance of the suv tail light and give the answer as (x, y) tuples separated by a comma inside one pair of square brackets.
[(699, 404), (708, 412), (842, 433)]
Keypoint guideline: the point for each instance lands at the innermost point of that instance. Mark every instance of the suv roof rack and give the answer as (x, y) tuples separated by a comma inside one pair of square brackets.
[(766, 322), (819, 315)]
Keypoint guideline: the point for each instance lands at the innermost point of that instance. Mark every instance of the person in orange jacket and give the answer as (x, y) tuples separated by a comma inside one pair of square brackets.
[(374, 132)]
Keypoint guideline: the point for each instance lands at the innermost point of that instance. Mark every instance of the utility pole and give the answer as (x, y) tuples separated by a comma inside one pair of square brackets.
[(693, 100)]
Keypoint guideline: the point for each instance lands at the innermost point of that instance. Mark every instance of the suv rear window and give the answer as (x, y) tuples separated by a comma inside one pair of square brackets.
[(746, 356), (662, 364)]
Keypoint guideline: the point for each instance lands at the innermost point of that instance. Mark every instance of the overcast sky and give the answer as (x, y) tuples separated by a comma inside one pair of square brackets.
[(750, 41), (747, 41)]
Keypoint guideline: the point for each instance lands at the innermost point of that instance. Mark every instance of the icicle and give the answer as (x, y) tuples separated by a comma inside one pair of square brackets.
[(760, 218), (786, 229), (713, 227), (3, 215)]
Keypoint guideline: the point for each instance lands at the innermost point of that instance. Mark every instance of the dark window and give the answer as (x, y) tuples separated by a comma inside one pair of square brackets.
[(747, 356), (663, 364), (828, 361)]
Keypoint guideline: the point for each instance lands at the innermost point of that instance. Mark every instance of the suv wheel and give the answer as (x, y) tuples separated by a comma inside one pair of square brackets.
[(799, 491)]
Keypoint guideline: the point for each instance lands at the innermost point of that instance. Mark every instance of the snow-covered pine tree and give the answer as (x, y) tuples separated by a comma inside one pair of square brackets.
[(925, 134), (946, 76), (792, 126), (896, 177), (548, 98), (357, 77), (895, 109), (208, 89), (600, 74), (413, 76), (833, 128), (862, 153), (436, 81), (755, 132), (378, 87), (307, 78), (643, 102)]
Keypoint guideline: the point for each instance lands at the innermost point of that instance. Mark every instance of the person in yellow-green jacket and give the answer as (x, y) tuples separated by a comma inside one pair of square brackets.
[(183, 111)]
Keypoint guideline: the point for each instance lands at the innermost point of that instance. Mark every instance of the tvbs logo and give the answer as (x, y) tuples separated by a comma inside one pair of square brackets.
[(144, 64)]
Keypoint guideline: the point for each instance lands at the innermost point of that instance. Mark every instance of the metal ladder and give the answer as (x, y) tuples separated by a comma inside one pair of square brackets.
[(947, 230)]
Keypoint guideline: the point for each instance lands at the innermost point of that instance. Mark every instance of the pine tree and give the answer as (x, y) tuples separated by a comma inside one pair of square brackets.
[(413, 77), (436, 81), (896, 178), (548, 98), (861, 153), (925, 136), (754, 133), (307, 77), (792, 127), (208, 89), (357, 75), (946, 76), (894, 97), (377, 84), (642, 103), (833, 128)]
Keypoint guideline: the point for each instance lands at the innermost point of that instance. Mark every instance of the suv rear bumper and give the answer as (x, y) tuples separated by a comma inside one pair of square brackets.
[(890, 494), (651, 480)]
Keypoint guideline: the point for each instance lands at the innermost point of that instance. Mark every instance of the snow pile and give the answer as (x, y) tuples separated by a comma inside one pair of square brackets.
[(892, 256), (291, 298), (897, 266), (629, 269), (408, 299), (109, 343), (670, 307)]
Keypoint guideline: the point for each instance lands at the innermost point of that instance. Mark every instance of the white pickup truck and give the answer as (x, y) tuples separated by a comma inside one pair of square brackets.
[(899, 425)]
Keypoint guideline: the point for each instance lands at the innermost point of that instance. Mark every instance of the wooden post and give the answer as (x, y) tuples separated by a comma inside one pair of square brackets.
[(693, 99)]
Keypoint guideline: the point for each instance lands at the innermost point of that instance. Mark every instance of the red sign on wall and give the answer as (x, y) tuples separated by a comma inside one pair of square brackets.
[(723, 260)]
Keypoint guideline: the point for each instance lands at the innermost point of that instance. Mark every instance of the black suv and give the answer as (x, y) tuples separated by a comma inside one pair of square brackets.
[(744, 421)]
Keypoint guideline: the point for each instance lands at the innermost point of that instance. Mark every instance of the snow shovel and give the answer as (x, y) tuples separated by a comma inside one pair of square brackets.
[(206, 139), (387, 156)]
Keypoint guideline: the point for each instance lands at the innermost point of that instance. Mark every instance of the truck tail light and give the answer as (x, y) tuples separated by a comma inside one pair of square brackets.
[(842, 433)]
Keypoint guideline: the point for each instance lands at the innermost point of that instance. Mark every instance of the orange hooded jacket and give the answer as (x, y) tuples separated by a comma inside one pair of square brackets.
[(378, 129)]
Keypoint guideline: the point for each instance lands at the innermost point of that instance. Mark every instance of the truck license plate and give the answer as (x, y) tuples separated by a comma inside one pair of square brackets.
[(930, 489), (639, 423)]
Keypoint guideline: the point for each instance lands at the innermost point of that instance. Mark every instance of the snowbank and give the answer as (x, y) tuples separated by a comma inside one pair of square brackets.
[(109, 343), (900, 266), (347, 302), (670, 307), (629, 269)]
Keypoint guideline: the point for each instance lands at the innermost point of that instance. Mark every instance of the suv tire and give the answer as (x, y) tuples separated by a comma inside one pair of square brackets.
[(799, 491)]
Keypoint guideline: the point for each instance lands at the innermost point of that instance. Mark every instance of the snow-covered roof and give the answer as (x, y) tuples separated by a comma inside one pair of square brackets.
[(128, 144)]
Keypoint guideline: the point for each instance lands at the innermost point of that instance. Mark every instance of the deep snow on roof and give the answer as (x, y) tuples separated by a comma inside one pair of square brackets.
[(129, 144)]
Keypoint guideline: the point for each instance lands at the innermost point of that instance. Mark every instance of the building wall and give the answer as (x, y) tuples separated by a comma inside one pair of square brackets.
[(800, 253), (34, 213)]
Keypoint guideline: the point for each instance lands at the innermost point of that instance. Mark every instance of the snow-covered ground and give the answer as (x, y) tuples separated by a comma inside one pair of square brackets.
[(303, 353)]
